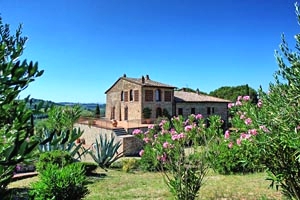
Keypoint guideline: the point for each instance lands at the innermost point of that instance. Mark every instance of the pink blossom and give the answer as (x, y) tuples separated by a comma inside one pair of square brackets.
[(162, 158), (242, 116), (177, 136), (230, 105), (264, 128), (245, 136), (173, 131), (252, 131), (259, 103), (246, 98), (146, 139), (136, 132), (239, 98), (248, 121), (165, 145), (227, 134), (151, 126), (162, 122), (188, 128), (238, 103), (199, 116), (230, 145), (238, 141), (141, 153)]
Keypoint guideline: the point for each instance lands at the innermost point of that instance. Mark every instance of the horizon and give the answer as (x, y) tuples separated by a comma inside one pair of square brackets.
[(84, 47)]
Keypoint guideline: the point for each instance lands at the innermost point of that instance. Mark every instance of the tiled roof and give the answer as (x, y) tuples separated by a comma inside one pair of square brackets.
[(181, 96), (147, 82)]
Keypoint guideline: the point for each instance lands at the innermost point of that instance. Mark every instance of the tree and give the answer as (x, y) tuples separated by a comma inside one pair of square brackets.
[(231, 93), (16, 119), (97, 111)]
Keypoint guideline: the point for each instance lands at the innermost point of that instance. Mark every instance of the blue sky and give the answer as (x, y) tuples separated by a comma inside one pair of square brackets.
[(85, 46)]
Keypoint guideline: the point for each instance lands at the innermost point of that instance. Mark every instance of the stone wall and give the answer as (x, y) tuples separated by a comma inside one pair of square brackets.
[(130, 144)]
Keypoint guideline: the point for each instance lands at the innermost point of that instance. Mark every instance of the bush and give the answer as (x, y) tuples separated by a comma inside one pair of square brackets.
[(58, 183), (59, 158), (129, 164), (89, 167)]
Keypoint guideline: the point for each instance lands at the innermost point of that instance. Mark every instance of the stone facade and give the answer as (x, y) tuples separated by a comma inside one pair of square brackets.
[(127, 97)]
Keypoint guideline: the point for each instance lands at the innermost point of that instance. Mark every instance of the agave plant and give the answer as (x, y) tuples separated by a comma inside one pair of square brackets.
[(105, 151)]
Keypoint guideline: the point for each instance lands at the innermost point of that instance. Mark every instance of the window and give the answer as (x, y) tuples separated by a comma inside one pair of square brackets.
[(158, 112), (136, 95), (126, 96), (126, 113), (112, 114), (208, 110), (193, 111), (168, 96), (148, 95), (131, 95), (122, 96), (157, 95), (180, 111)]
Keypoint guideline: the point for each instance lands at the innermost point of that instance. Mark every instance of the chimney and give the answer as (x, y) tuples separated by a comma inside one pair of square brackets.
[(124, 75), (198, 91), (143, 79), (147, 77)]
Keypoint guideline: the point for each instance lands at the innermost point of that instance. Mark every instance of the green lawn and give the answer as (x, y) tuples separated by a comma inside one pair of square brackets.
[(117, 185)]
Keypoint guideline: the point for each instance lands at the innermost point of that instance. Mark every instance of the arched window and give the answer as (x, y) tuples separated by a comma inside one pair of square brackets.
[(157, 95), (122, 96), (158, 112), (131, 95)]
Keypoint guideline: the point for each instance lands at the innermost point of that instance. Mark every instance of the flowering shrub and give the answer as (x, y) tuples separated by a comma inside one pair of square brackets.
[(237, 151), (178, 148)]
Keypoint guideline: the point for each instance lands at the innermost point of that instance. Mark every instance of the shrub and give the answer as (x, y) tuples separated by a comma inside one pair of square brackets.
[(89, 167), (166, 147), (58, 183), (59, 158), (129, 164)]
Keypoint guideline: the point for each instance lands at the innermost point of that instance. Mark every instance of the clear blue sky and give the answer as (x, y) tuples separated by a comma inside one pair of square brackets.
[(84, 46)]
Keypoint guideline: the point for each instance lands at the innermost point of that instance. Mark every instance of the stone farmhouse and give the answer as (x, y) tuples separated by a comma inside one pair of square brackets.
[(127, 97), (126, 100)]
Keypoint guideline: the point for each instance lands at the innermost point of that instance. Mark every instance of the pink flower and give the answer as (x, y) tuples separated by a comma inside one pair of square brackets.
[(162, 122), (242, 116), (239, 98), (252, 131), (264, 128), (245, 136), (248, 121), (227, 134), (259, 103), (136, 132), (141, 153), (199, 116), (146, 139), (246, 98), (165, 145), (188, 128), (230, 105), (238, 103), (177, 136), (238, 141), (230, 145), (151, 126)]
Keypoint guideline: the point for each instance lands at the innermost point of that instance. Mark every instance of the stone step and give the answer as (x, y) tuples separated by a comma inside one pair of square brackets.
[(120, 131)]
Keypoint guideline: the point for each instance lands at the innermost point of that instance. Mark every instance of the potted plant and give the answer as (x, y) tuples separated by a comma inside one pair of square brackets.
[(147, 112)]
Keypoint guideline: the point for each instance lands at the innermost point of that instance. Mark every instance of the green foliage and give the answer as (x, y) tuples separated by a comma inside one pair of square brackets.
[(97, 111), (16, 119), (58, 183), (129, 164), (232, 93), (179, 148), (58, 133), (89, 167), (235, 151), (57, 157), (147, 113), (105, 151)]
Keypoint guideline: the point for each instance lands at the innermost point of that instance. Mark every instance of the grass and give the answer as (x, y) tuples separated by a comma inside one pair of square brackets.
[(116, 184)]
